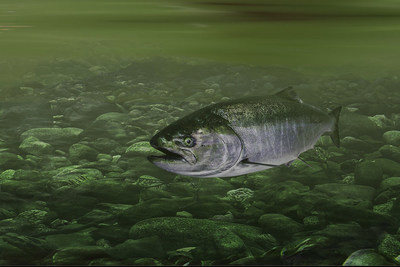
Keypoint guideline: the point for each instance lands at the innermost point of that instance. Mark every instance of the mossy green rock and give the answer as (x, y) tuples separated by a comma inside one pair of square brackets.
[(54, 136), (390, 183), (279, 225), (214, 239), (390, 247), (34, 146), (365, 257), (389, 167), (10, 161), (348, 194), (390, 152), (368, 173), (142, 149), (392, 137), (81, 151), (74, 175), (80, 255), (70, 240), (144, 247)]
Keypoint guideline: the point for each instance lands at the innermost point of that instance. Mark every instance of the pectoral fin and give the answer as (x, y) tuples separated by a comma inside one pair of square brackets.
[(246, 161)]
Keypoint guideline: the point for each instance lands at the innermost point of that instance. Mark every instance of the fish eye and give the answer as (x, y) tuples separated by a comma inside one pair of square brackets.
[(189, 141)]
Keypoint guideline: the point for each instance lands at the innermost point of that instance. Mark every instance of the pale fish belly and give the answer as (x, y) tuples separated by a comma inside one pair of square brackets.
[(276, 143)]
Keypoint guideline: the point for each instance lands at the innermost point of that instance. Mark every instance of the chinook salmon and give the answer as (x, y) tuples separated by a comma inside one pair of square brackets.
[(243, 136)]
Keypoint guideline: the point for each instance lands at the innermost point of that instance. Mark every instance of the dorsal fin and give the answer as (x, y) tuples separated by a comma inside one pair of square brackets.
[(289, 93)]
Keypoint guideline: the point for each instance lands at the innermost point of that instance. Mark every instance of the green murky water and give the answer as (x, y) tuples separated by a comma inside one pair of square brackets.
[(85, 84)]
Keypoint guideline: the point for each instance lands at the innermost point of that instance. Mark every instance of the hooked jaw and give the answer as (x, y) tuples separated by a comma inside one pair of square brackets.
[(167, 147)]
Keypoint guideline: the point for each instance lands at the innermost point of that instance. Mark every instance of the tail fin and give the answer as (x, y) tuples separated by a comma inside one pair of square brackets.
[(335, 131)]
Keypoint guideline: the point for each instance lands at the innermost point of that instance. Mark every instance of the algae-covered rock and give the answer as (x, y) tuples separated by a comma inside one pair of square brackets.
[(10, 161), (54, 136), (365, 257), (213, 239), (82, 151), (388, 166), (34, 146), (392, 137), (74, 175), (70, 240), (80, 255), (112, 125), (390, 152), (144, 247), (368, 173), (390, 248), (279, 225), (142, 149), (240, 196), (348, 194)]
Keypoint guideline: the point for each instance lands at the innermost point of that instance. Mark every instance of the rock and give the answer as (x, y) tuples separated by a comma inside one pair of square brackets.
[(240, 197), (150, 209), (144, 247), (81, 151), (70, 240), (341, 231), (147, 262), (10, 161), (114, 234), (365, 257), (54, 136), (227, 239), (389, 167), (353, 143), (7, 174), (213, 186), (34, 146), (390, 248), (390, 152), (392, 183), (23, 250), (184, 214), (142, 149), (368, 173), (279, 225), (347, 194), (351, 124), (74, 175), (80, 255), (104, 145), (392, 138), (112, 125)]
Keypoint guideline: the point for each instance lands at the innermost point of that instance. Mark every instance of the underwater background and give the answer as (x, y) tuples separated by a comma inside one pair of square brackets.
[(85, 84)]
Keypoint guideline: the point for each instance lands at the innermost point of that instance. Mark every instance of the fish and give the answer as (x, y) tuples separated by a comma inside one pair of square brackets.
[(242, 136)]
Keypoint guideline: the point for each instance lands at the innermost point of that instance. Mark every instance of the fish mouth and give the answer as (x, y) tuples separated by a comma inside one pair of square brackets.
[(168, 154)]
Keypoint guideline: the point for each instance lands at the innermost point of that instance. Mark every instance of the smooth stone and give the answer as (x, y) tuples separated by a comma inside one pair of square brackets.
[(10, 161), (341, 231), (352, 143), (279, 225), (392, 137), (368, 173), (54, 136), (365, 257), (348, 194), (70, 240), (82, 151), (80, 255), (390, 183), (390, 152), (145, 247), (142, 149), (389, 167), (34, 146)]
